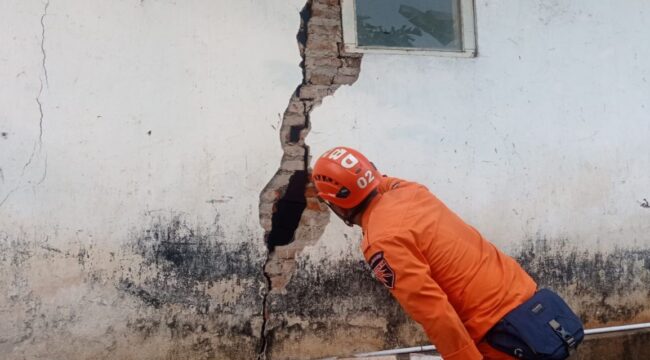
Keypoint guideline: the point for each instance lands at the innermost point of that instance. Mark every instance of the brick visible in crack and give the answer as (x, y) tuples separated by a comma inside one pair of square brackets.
[(290, 214), (325, 66)]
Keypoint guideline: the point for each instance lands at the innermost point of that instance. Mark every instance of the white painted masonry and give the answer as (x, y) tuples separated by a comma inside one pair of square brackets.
[(152, 112), (544, 134), (207, 78), (136, 137)]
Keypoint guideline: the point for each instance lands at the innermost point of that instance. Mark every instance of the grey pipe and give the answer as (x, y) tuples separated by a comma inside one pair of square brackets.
[(432, 348)]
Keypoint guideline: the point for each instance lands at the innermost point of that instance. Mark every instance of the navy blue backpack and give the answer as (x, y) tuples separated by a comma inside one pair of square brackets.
[(543, 327)]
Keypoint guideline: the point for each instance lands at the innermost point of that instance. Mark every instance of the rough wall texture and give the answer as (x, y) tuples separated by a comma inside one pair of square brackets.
[(290, 214), (604, 287), (175, 291), (129, 184), (202, 287), (90, 271), (289, 209), (336, 307), (616, 346)]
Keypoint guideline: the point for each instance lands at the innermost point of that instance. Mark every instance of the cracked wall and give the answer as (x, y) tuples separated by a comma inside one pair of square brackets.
[(136, 136), (289, 211), (524, 143), (129, 187)]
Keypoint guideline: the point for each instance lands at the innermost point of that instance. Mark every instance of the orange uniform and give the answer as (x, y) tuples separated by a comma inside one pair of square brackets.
[(445, 275)]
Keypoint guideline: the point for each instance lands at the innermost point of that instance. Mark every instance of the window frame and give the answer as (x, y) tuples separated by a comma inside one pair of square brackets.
[(467, 29)]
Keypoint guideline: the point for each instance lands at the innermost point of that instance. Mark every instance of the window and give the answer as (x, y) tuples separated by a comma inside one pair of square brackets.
[(435, 27)]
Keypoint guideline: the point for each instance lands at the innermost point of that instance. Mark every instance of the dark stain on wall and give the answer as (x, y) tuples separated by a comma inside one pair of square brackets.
[(187, 260), (332, 305), (629, 346), (327, 294), (604, 287), (595, 281), (15, 255), (182, 267)]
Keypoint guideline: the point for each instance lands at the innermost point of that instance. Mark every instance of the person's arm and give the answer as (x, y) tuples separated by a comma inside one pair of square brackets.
[(399, 265)]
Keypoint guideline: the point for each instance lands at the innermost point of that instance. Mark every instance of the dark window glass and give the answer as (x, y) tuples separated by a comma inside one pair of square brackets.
[(423, 24)]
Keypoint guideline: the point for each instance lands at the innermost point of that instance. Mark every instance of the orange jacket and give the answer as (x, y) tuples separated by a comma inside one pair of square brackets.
[(445, 275)]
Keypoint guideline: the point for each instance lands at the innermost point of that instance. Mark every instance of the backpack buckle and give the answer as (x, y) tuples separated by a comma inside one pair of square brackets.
[(564, 335)]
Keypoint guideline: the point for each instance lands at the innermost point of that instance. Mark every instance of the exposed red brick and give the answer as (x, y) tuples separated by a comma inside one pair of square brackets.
[(322, 9), (326, 48), (321, 79), (345, 79), (293, 119), (315, 62), (330, 38), (326, 67), (353, 62), (310, 191), (346, 70), (313, 205), (314, 91), (325, 30), (295, 106), (327, 70)]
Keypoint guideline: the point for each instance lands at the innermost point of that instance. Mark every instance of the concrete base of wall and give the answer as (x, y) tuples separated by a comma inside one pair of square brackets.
[(614, 346)]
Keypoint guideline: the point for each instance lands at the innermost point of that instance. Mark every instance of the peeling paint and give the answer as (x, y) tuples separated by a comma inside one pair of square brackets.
[(335, 307), (182, 263), (175, 287), (175, 290), (285, 198)]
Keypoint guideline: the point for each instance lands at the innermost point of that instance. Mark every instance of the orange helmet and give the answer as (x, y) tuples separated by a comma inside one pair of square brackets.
[(344, 177)]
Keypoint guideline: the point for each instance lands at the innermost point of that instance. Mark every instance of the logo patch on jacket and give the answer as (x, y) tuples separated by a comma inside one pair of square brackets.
[(382, 270)]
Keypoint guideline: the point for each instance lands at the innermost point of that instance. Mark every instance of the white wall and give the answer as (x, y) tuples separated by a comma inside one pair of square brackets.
[(544, 134), (207, 78)]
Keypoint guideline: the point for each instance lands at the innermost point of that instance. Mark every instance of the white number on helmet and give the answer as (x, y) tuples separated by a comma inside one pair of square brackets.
[(362, 182), (336, 154), (366, 179), (370, 176)]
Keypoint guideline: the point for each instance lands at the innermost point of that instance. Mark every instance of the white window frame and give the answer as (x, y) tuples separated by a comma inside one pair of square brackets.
[(467, 28)]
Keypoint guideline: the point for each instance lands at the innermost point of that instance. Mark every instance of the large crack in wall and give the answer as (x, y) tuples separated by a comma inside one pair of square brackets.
[(290, 213)]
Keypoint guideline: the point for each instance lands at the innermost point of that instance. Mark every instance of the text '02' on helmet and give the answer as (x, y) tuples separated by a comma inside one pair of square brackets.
[(344, 177)]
